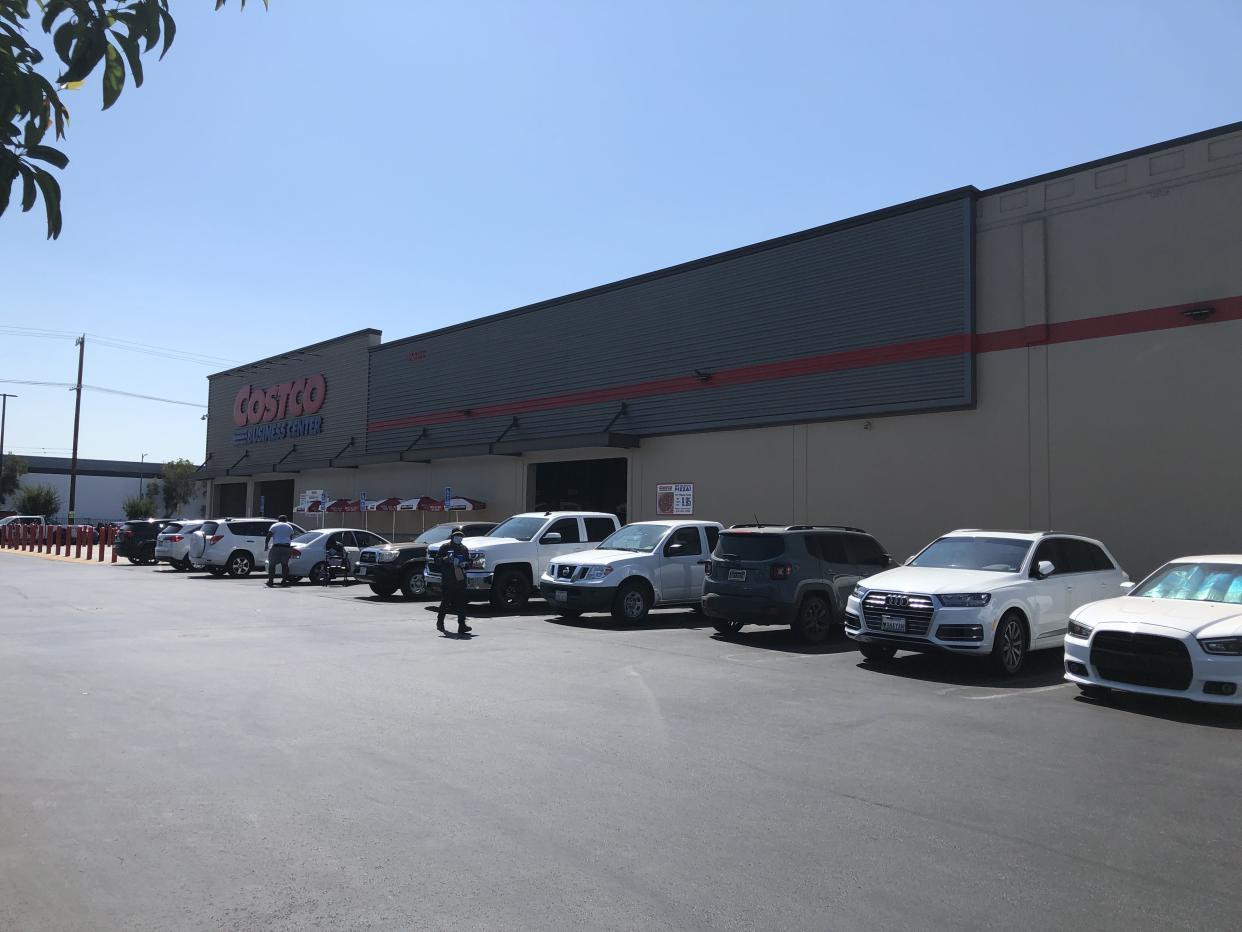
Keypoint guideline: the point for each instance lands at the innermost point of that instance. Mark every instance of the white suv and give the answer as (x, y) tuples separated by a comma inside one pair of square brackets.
[(232, 545), (995, 594), (642, 566), (505, 565), (173, 543)]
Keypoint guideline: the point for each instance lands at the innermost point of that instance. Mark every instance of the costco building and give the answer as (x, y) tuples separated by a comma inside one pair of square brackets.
[(1060, 352)]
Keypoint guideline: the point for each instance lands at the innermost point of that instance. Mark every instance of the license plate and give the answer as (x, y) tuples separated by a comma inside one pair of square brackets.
[(737, 575), (893, 623), (562, 596), (360, 570)]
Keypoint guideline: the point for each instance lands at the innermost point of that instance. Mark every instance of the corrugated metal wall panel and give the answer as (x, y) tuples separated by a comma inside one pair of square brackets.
[(898, 280), (344, 365)]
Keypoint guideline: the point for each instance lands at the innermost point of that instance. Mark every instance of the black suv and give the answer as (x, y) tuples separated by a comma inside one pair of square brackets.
[(136, 539), (800, 576), (400, 566)]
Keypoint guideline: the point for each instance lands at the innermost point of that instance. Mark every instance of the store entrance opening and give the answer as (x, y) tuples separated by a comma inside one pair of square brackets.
[(579, 485), (230, 500), (273, 499)]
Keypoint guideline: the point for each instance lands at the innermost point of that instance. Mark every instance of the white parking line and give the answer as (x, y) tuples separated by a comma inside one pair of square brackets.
[(1018, 693)]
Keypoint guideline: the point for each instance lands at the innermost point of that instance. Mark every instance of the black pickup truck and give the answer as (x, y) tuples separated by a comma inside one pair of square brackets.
[(400, 566)]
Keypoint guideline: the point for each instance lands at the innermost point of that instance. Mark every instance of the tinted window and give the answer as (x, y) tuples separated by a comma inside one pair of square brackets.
[(519, 528), (688, 537), (567, 528), (865, 551), (367, 539), (713, 535), (996, 554), (209, 528), (1050, 549), (1099, 559), (478, 530), (831, 548), (749, 546), (339, 537), (172, 528), (598, 529), (435, 535)]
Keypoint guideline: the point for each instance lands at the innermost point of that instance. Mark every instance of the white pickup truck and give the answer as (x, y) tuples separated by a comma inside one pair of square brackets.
[(642, 566), (506, 564)]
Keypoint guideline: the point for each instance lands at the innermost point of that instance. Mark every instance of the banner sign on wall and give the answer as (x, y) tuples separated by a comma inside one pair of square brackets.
[(280, 412), (675, 498)]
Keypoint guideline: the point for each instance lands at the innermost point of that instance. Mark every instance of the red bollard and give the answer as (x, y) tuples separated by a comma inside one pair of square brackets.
[(77, 542), (45, 541), (101, 544), (90, 542), (112, 540)]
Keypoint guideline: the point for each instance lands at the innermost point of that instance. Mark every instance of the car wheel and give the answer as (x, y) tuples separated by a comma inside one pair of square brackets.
[(316, 575), (137, 561), (569, 613), (240, 564), (877, 653), (383, 591), (728, 628), (413, 585), (1094, 692), (510, 591), (814, 619), (632, 603), (216, 570), (1009, 645)]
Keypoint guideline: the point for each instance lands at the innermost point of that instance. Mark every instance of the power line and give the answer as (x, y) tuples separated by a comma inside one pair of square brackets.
[(130, 346), (100, 388)]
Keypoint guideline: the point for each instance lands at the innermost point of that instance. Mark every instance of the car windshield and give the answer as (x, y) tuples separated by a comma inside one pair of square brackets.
[(435, 535), (308, 538), (1194, 582), (518, 528), (639, 538), (995, 554), (749, 546)]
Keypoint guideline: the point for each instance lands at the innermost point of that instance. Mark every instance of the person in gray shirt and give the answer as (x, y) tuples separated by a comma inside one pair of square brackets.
[(279, 536)]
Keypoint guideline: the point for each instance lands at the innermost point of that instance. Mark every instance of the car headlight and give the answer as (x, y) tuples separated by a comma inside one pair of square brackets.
[(387, 556), (965, 599), (1222, 645), (1079, 630), (478, 561), (598, 572), (860, 593)]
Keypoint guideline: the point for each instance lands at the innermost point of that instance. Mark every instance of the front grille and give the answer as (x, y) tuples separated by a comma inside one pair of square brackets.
[(366, 557), (917, 610), (1141, 659)]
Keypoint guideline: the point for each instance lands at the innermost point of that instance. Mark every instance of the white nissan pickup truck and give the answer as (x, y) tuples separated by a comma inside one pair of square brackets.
[(505, 566)]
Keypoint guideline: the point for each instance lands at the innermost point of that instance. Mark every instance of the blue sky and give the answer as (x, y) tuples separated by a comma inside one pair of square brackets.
[(288, 176)]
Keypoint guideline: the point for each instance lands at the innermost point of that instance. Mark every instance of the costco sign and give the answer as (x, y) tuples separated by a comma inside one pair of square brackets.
[(289, 409)]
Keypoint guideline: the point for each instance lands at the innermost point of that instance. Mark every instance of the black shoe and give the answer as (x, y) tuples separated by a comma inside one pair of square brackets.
[(440, 624), (270, 584), (286, 583), (463, 628)]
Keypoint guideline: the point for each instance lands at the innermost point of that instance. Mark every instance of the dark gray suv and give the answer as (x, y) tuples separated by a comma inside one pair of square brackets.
[(799, 576)]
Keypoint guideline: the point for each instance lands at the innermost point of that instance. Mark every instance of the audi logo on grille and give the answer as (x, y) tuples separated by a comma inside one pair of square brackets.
[(897, 601)]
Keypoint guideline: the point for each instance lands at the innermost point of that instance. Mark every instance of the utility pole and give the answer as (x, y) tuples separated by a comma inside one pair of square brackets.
[(4, 410), (77, 414), (140, 463)]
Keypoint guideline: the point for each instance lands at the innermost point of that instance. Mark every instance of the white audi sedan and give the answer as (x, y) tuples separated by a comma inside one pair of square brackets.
[(1177, 633)]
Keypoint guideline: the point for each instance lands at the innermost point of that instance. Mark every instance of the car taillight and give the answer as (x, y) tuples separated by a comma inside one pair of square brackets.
[(707, 568), (174, 538), (295, 554), (215, 538), (781, 570)]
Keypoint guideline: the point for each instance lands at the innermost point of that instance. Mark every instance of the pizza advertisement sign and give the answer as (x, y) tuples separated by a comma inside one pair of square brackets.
[(675, 498)]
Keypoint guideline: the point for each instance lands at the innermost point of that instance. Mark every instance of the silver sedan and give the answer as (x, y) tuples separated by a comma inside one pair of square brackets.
[(310, 550)]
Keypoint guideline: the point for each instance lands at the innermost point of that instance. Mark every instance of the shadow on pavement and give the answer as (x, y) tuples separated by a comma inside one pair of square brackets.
[(784, 640), (1182, 711), (1043, 668), (663, 621)]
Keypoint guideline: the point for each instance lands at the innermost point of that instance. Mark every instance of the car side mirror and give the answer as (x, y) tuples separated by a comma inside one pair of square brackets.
[(673, 549), (1045, 568), (552, 537), (1127, 585)]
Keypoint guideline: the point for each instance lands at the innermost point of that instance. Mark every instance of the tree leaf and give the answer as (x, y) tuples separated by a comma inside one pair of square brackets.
[(63, 41), (49, 155), (51, 201), (8, 175), (28, 187), (114, 76), (133, 55), (170, 30), (151, 11), (87, 53)]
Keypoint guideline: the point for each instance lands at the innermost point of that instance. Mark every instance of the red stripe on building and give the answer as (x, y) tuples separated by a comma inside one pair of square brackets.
[(1091, 328)]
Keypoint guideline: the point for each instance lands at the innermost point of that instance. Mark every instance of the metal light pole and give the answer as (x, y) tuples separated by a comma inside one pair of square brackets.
[(140, 462), (4, 410), (77, 415)]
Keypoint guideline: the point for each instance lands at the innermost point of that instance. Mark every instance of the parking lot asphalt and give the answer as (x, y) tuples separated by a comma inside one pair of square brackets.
[(184, 752)]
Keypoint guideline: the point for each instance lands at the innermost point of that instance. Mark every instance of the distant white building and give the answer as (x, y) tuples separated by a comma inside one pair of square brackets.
[(102, 486)]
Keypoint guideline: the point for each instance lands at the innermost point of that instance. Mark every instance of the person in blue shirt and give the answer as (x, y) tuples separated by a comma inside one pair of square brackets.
[(279, 537), (452, 560)]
